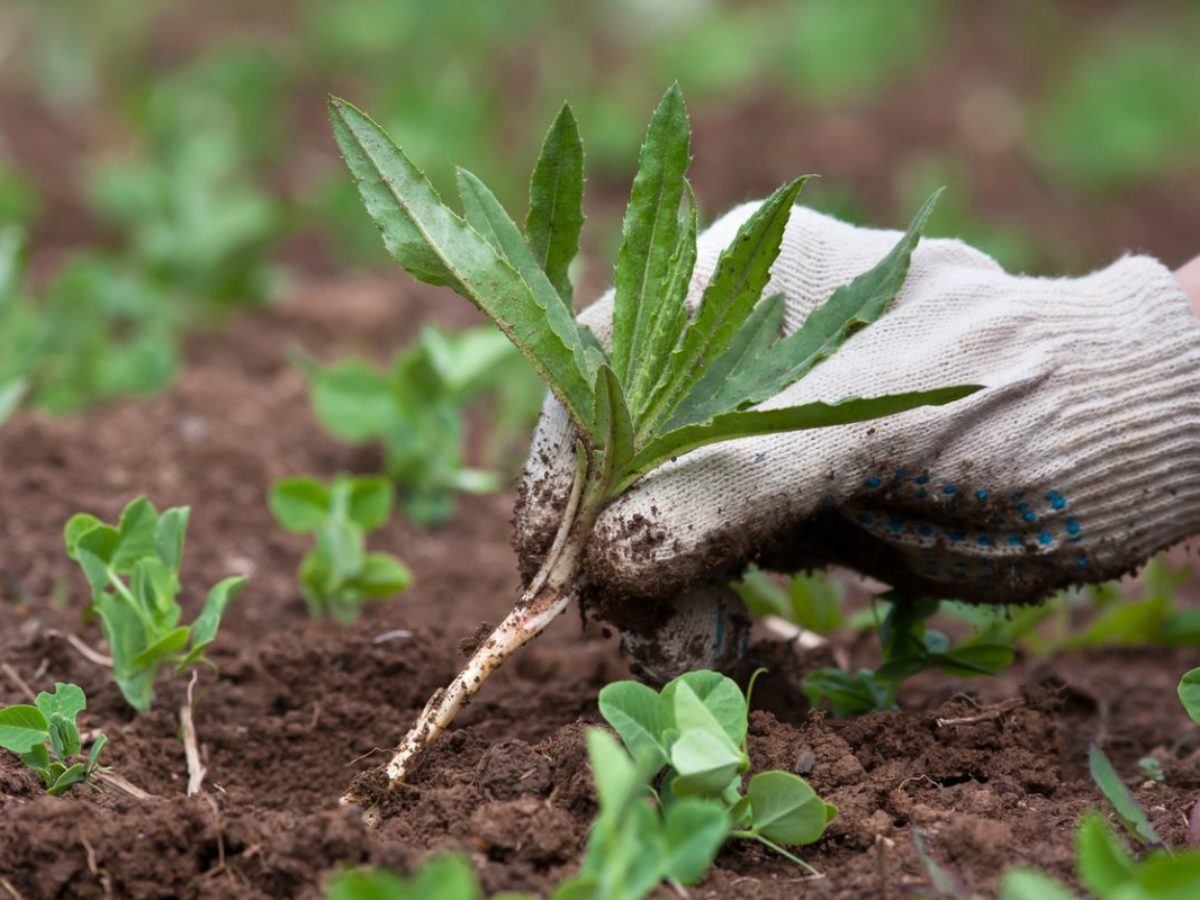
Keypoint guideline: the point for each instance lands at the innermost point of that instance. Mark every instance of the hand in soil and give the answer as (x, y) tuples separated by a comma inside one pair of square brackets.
[(683, 366), (1002, 497)]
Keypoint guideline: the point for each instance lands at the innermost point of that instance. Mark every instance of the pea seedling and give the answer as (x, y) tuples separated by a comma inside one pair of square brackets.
[(338, 575), (416, 409), (696, 727), (909, 646), (671, 380), (133, 570), (46, 738)]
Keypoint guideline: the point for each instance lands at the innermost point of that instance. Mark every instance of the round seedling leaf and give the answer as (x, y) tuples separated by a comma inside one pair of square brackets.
[(786, 809), (706, 764), (300, 504), (370, 502), (720, 696), (1189, 694), (382, 576), (22, 728), (636, 714)]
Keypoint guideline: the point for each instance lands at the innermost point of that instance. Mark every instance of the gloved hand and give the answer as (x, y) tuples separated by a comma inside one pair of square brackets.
[(1078, 460)]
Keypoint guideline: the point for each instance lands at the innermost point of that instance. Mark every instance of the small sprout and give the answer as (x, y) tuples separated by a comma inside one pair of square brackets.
[(697, 726), (338, 575), (416, 409), (1152, 770), (909, 646), (1106, 869), (133, 569), (634, 845), (46, 738), (445, 877), (1131, 815), (811, 600)]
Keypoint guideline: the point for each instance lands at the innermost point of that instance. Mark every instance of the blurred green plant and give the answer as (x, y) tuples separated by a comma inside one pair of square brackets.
[(97, 332), (339, 575), (193, 213), (909, 646), (417, 410), (811, 600), (1124, 111)]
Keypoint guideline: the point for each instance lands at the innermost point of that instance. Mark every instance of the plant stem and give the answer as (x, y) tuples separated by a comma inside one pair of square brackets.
[(754, 836), (548, 594), (191, 750)]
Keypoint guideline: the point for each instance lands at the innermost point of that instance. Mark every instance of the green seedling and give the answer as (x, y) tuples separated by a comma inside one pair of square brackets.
[(1189, 694), (98, 331), (810, 600), (338, 575), (635, 845), (1123, 804), (696, 728), (448, 876), (669, 381), (1108, 871), (46, 738), (133, 570), (191, 213), (416, 409), (909, 646)]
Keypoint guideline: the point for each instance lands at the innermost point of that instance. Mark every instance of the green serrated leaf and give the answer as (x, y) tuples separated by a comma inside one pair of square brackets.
[(649, 234), (742, 271), (762, 375), (437, 246), (485, 214), (613, 427), (670, 316), (1132, 816), (555, 218), (719, 388), (22, 728), (751, 422)]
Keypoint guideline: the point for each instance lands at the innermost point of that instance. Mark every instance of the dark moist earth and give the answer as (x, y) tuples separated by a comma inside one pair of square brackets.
[(990, 773)]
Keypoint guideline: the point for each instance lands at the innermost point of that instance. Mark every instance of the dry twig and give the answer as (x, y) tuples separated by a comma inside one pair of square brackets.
[(16, 679)]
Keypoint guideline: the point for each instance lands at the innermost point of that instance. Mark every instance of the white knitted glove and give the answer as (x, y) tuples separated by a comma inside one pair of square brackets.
[(1079, 459)]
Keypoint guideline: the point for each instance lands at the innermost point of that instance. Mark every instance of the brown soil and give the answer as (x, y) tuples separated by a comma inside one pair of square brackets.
[(300, 707)]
